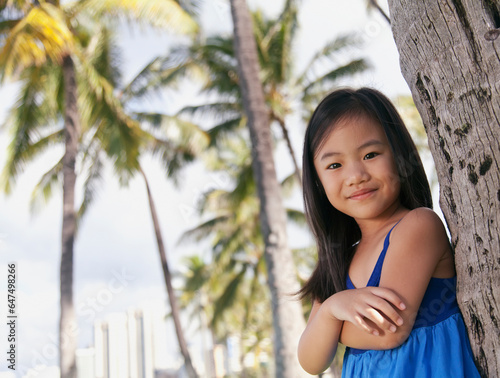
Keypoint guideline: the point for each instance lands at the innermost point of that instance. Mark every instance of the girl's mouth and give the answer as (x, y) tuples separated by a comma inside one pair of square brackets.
[(362, 194)]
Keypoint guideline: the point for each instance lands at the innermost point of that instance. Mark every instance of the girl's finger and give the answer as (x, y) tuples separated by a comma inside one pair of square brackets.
[(389, 296), (360, 322), (385, 308), (376, 317)]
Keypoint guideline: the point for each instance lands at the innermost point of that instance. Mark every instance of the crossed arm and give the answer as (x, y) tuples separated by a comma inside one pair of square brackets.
[(380, 317)]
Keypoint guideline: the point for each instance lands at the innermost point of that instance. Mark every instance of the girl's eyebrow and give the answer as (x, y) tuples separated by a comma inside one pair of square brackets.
[(371, 142)]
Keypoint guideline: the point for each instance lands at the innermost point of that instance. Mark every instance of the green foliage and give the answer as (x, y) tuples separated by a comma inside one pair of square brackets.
[(233, 279), (236, 297), (213, 63)]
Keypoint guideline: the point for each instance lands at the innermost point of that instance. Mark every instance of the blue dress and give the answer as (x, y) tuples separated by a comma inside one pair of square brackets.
[(438, 345)]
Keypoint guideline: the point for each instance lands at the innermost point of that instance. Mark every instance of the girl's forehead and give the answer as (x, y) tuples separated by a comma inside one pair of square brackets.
[(356, 124), (353, 130)]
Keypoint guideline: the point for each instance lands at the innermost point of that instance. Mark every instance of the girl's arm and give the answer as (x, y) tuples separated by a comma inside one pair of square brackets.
[(319, 341), (419, 249)]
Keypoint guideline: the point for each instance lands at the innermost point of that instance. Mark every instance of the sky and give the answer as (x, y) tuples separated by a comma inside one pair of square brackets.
[(116, 260)]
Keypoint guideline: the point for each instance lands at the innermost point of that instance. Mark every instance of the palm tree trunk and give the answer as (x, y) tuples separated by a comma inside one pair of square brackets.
[(284, 129), (168, 282), (449, 58), (67, 324), (288, 320), (374, 4)]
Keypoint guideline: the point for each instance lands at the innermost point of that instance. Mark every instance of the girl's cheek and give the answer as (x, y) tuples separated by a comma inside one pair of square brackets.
[(394, 183)]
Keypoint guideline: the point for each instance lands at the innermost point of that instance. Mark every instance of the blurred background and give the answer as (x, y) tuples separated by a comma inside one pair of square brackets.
[(180, 87)]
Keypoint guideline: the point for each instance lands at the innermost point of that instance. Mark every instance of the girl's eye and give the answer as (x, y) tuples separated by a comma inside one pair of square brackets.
[(370, 155), (334, 166)]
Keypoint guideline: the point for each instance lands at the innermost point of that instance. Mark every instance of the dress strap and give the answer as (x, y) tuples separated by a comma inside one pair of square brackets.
[(375, 276)]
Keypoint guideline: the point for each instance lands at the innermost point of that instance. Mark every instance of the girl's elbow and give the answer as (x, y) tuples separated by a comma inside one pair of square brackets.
[(310, 362), (310, 368), (306, 363), (396, 339)]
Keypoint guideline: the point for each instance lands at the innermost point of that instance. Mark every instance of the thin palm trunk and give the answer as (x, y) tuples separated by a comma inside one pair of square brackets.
[(288, 320), (374, 4), (168, 282), (67, 324), (284, 129)]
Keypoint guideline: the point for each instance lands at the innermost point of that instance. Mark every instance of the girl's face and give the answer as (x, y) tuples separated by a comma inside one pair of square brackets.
[(357, 169)]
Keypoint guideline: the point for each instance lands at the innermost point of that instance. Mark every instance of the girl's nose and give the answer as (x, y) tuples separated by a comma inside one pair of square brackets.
[(356, 174)]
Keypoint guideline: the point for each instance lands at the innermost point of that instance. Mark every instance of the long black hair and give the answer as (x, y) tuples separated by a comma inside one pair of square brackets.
[(335, 232)]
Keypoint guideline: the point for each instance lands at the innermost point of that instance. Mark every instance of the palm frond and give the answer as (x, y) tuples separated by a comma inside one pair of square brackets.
[(328, 52), (144, 82), (245, 185), (192, 7), (44, 188), (91, 185), (274, 39), (214, 201), (203, 230), (158, 13), (197, 274), (228, 297), (161, 73), (172, 156), (288, 184), (15, 6), (6, 25), (178, 144), (221, 131), (42, 34), (219, 111), (327, 80), (26, 142), (119, 133), (177, 130), (102, 52), (296, 216)]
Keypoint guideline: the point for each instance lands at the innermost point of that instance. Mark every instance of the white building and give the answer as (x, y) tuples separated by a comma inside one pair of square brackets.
[(131, 345), (85, 362)]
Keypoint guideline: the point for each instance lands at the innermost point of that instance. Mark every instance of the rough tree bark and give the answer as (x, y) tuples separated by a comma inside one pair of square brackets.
[(449, 55), (288, 320), (67, 324)]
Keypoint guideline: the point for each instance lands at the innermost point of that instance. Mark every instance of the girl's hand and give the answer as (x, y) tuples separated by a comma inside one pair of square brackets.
[(375, 304)]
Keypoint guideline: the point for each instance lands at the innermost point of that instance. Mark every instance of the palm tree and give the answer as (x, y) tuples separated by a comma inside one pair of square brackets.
[(373, 4), (288, 320), (168, 282), (234, 230), (217, 59), (43, 36), (174, 152), (234, 288), (286, 90)]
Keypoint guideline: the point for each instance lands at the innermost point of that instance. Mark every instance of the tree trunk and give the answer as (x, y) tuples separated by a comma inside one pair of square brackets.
[(284, 129), (374, 4), (288, 320), (449, 55), (168, 283), (68, 325)]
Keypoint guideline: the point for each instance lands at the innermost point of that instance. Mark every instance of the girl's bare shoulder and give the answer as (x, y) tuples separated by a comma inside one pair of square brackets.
[(420, 239), (419, 223)]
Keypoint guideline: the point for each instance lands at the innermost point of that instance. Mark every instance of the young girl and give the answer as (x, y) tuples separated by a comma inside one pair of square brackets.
[(384, 284)]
